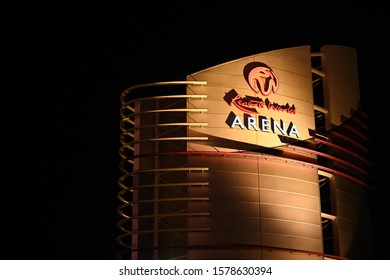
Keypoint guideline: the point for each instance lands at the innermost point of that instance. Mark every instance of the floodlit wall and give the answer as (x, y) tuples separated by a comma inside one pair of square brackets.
[(341, 82), (232, 166), (255, 203)]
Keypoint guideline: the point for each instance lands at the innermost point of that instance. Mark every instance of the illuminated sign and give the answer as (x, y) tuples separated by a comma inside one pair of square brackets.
[(263, 124), (262, 80), (251, 105), (254, 100)]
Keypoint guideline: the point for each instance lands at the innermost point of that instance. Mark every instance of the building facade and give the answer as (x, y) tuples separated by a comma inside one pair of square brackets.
[(263, 157)]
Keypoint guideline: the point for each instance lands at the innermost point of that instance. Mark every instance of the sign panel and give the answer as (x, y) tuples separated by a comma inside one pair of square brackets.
[(255, 100)]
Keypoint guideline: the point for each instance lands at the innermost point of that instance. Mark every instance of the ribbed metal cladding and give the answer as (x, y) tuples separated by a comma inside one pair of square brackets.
[(197, 185), (256, 202), (155, 187)]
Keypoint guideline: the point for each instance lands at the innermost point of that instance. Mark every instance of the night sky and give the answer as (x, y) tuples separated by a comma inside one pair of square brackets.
[(76, 62)]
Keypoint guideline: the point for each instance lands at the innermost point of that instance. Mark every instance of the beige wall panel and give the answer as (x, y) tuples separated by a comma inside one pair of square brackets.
[(340, 66), (217, 80), (237, 134), (292, 242), (290, 171), (223, 239), (344, 249), (290, 208), (206, 148), (291, 228), (294, 53), (286, 68), (235, 223), (300, 93), (290, 214), (221, 163), (346, 225), (289, 185), (221, 178), (352, 217), (351, 196), (281, 62), (348, 200), (213, 120), (346, 242), (235, 238), (296, 75), (235, 193), (347, 212), (289, 199), (231, 208)]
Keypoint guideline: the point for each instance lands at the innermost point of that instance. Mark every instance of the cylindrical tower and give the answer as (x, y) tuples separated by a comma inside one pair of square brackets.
[(250, 159)]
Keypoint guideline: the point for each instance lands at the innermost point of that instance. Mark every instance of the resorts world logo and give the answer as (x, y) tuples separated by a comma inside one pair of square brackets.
[(263, 82)]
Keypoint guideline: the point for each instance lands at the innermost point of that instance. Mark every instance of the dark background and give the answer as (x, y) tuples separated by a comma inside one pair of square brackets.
[(67, 66)]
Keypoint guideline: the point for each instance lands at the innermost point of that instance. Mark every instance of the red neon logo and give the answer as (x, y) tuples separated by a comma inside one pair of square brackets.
[(261, 78)]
